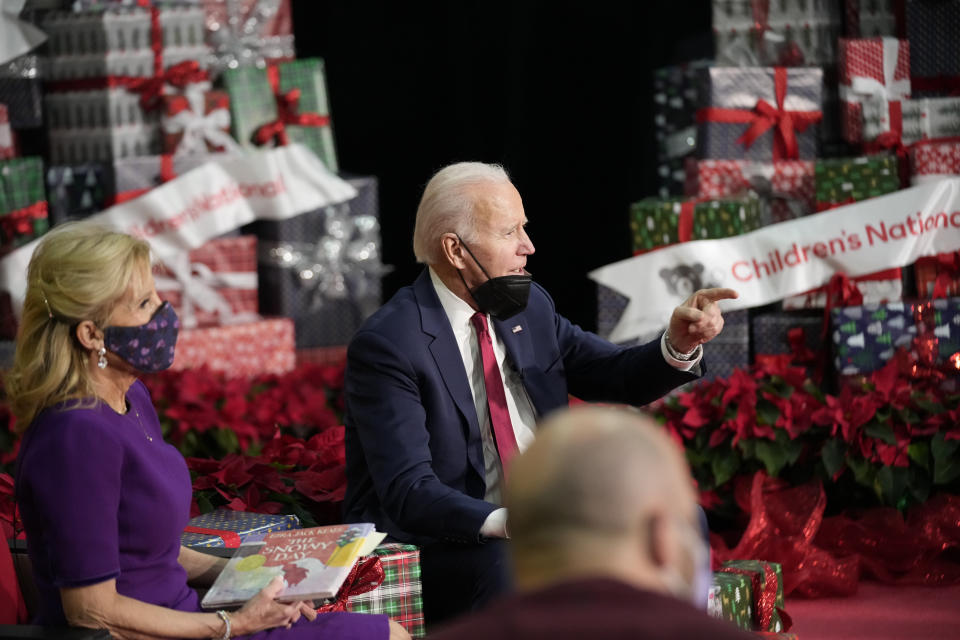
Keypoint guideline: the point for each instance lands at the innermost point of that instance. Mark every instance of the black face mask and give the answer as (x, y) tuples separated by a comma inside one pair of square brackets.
[(501, 297)]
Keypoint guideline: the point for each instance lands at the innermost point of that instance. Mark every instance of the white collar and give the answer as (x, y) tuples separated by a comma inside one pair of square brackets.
[(457, 310)]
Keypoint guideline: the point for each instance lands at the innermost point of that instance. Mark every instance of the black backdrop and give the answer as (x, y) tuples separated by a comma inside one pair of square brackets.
[(558, 92)]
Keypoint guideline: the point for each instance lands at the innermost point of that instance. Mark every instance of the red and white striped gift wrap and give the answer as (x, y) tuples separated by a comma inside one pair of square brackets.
[(870, 69), (780, 180), (934, 159)]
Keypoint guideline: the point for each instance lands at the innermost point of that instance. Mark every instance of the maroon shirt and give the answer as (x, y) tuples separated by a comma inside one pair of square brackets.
[(594, 608)]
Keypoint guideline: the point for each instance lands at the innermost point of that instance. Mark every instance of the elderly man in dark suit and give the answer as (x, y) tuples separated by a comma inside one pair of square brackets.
[(445, 383), (605, 537)]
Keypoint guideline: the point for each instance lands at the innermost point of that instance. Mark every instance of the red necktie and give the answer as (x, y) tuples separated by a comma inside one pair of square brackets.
[(496, 396)]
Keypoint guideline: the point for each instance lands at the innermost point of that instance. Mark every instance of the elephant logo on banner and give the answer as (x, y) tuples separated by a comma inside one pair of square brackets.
[(684, 279)]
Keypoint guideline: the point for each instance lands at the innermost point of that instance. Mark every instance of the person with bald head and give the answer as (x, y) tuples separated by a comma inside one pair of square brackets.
[(605, 537), (445, 383)]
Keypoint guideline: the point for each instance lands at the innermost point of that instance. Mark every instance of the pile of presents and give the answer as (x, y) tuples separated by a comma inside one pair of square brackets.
[(102, 101), (866, 101)]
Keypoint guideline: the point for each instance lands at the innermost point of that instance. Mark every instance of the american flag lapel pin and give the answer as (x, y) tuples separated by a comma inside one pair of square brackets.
[(517, 329)]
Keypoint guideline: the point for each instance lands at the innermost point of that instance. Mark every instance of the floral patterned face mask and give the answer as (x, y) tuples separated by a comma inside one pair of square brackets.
[(148, 347)]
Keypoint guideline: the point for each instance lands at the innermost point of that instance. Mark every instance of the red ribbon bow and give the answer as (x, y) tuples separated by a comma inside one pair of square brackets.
[(840, 291), (892, 140), (179, 75), (20, 221), (766, 116), (366, 575), (797, 339), (764, 596), (288, 107)]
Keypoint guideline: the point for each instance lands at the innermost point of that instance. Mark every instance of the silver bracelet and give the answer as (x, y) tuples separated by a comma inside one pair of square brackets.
[(685, 357), (223, 615)]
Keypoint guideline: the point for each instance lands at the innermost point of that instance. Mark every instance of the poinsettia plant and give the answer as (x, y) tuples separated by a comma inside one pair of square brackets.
[(888, 438)]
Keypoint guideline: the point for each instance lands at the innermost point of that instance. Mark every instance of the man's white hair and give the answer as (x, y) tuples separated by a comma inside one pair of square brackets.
[(446, 206)]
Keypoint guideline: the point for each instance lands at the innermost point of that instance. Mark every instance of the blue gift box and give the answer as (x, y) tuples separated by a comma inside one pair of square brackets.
[(240, 523)]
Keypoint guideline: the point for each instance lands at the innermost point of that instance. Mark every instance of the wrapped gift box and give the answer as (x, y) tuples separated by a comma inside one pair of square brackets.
[(785, 187), (239, 350), (283, 103), (869, 18), (875, 69), (738, 97), (76, 192), (21, 91), (880, 287), (323, 268), (784, 32), (932, 28), (729, 599), (399, 596), (764, 576), (840, 181), (674, 121), (197, 122), (912, 120), (245, 33), (133, 177), (23, 204), (787, 332), (731, 349), (659, 222), (938, 276), (105, 77), (7, 147), (931, 160), (223, 522), (228, 267), (865, 337)]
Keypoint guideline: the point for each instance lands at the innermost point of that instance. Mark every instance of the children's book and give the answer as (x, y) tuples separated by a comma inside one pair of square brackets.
[(314, 562)]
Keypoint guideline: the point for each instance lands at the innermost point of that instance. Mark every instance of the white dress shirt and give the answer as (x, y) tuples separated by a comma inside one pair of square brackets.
[(522, 414)]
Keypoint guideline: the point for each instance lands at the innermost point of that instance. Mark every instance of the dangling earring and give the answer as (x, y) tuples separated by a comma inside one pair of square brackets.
[(102, 361)]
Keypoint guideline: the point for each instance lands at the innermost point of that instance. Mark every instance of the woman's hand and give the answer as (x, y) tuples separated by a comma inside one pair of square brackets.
[(262, 611)]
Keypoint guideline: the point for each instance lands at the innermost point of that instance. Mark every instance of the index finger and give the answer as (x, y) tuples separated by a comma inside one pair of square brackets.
[(718, 293)]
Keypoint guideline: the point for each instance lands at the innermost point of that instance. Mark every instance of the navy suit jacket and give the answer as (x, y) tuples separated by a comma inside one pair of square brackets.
[(414, 457)]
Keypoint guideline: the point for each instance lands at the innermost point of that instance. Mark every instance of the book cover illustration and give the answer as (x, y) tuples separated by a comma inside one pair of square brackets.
[(314, 563)]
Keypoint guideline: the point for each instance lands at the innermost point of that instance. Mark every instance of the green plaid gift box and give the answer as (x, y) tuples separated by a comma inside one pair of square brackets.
[(400, 594), (843, 180), (657, 222), (253, 104), (241, 523), (23, 210)]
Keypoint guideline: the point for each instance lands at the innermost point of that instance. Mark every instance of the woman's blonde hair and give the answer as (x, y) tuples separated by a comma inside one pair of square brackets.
[(79, 271)]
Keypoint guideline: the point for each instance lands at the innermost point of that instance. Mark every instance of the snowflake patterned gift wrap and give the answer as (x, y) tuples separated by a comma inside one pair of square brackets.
[(931, 160), (225, 528), (240, 350)]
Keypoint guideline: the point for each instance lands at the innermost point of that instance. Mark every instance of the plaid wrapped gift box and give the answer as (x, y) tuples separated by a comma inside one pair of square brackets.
[(783, 32), (871, 69), (912, 120), (322, 268), (286, 102), (766, 592), (228, 266), (785, 187), (213, 529), (840, 181), (21, 91), (399, 596), (674, 121), (869, 18), (239, 350), (746, 103), (7, 147), (23, 205), (659, 222), (932, 27), (931, 160)]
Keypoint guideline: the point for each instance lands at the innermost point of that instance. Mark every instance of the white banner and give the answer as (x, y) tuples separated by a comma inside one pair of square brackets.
[(207, 202), (788, 258)]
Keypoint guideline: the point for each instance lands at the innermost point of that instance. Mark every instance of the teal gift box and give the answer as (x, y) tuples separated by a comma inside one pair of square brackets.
[(224, 528)]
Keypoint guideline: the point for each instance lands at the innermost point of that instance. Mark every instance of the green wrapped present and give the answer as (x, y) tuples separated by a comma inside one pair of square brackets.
[(23, 203), (766, 592), (282, 104), (399, 596), (841, 181), (729, 599), (657, 222), (225, 528)]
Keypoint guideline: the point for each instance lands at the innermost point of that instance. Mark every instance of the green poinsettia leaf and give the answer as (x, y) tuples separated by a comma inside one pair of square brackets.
[(946, 463), (767, 413), (931, 407), (919, 452), (908, 415), (892, 484), (203, 502), (779, 453), (881, 431), (748, 448), (833, 454), (863, 472), (724, 465), (227, 440), (811, 388), (919, 484), (294, 507)]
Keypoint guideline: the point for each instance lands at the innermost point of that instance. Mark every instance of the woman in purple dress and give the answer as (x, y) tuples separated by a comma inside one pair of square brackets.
[(102, 496)]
